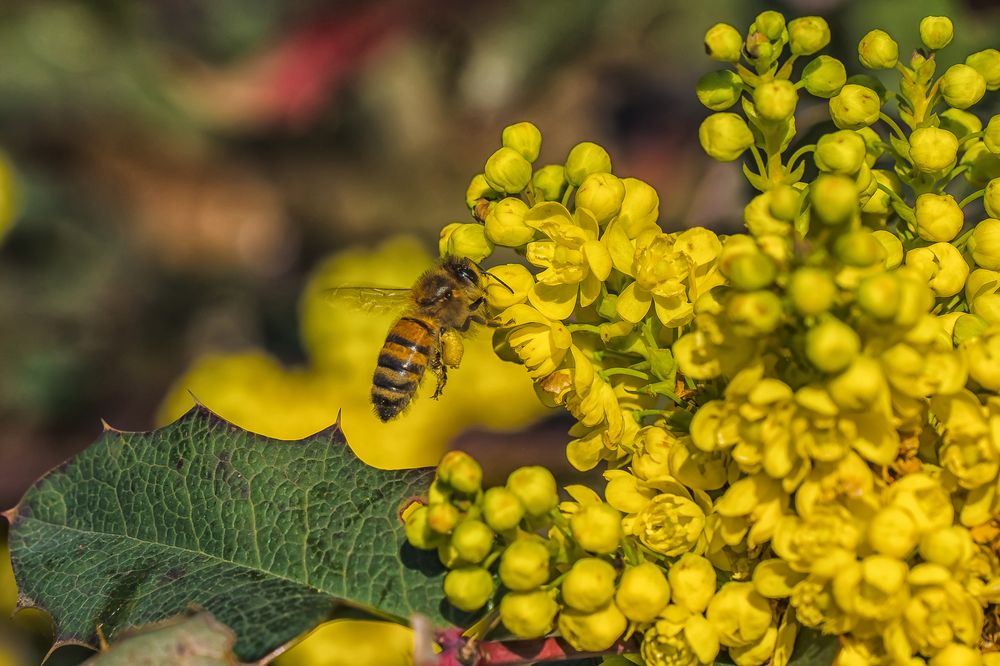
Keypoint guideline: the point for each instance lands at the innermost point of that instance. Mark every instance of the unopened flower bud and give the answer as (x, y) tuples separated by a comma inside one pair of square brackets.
[(505, 223), (775, 100), (892, 532), (468, 588), (751, 271), (528, 614), (754, 312), (642, 592), (858, 248), (550, 182), (770, 23), (807, 35), (967, 327), (535, 487), (991, 135), (855, 107), (932, 149), (948, 546), (501, 509), (936, 32), (479, 189), (824, 76), (987, 306), (939, 218), (724, 136), (983, 356), (524, 138), (584, 159), (724, 43), (987, 63), (516, 283), (524, 565), (461, 471), (942, 267), (984, 244), (877, 50), (962, 86), (719, 90), (857, 387), (472, 540), (508, 171), (811, 290), (589, 584), (991, 198), (878, 296), (832, 346), (640, 207), (892, 247), (834, 199), (597, 528), (785, 203), (692, 582), (841, 152), (602, 195), (465, 240), (442, 517), (419, 533), (592, 631)]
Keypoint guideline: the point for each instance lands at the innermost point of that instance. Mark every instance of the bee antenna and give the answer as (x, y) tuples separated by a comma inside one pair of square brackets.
[(486, 272)]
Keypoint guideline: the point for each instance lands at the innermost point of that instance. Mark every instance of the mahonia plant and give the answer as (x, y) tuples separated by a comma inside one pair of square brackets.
[(800, 424)]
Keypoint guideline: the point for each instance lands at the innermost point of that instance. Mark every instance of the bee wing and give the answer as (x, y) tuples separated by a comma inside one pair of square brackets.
[(376, 300)]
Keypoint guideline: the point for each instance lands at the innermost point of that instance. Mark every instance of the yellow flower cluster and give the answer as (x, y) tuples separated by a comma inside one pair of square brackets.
[(809, 412)]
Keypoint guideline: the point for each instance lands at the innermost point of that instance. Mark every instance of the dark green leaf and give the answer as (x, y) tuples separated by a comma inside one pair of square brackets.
[(272, 537)]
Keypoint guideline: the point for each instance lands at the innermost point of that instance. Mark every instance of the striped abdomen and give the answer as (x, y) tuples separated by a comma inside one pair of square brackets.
[(401, 365)]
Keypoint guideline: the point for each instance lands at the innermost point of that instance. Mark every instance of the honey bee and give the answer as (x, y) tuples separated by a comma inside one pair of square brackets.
[(445, 300)]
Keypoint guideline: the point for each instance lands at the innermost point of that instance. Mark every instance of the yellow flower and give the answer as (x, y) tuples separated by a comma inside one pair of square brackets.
[(751, 509), (739, 614), (926, 500), (971, 447), (874, 589), (815, 606), (670, 271), (575, 261), (670, 524), (539, 342), (680, 638), (807, 542), (940, 612)]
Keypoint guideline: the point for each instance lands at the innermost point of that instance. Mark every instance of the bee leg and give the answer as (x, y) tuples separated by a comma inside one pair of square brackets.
[(440, 371), (473, 319)]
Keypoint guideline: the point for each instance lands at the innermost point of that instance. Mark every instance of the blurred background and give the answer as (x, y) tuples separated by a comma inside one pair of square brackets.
[(180, 180)]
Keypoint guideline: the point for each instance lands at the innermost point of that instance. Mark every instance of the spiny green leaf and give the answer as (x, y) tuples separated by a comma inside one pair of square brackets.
[(272, 537), (195, 640)]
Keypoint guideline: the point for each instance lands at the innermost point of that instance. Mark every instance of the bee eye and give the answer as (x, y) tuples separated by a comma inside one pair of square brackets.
[(467, 274)]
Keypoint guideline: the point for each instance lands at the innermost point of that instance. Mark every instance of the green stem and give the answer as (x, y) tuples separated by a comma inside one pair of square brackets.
[(809, 148), (892, 125), (610, 372), (972, 197), (588, 328), (961, 241)]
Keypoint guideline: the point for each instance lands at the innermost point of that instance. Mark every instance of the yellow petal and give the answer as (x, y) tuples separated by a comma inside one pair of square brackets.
[(584, 454), (587, 222), (774, 579), (590, 289), (702, 638), (554, 301), (620, 247), (633, 303), (598, 258)]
